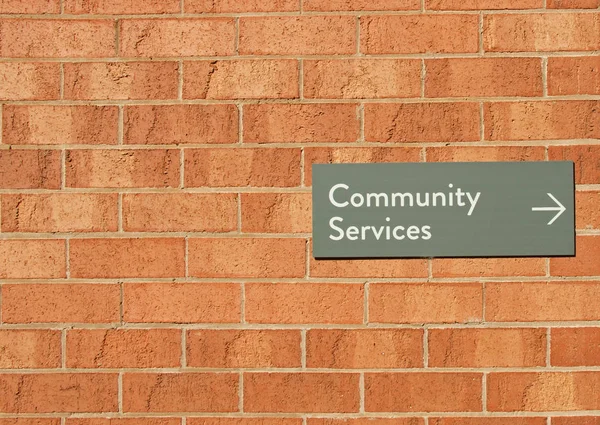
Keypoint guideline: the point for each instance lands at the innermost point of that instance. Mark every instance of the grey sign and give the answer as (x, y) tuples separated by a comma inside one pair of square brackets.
[(482, 209)]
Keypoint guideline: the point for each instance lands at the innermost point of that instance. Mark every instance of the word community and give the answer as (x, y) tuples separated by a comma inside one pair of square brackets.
[(341, 196)]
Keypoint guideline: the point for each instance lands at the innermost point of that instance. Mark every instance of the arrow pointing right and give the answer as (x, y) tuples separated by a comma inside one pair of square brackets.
[(560, 208)]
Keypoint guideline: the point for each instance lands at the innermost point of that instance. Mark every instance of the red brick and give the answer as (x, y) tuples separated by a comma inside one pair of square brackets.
[(56, 38), (297, 35), (574, 75), (276, 212), (488, 421), (122, 168), (57, 125), (111, 258), (494, 347), (121, 80), (234, 348), (574, 119), (180, 392), (572, 4), (425, 302), (121, 421), (121, 348), (353, 155), (419, 34), (180, 124), (58, 393), (585, 263), (335, 5), (29, 421), (364, 348), (29, 169), (540, 301), (422, 122), (180, 212), (60, 303), (488, 267), (483, 77), (368, 268), (247, 257), (362, 78), (241, 79), (231, 6), (576, 420), (65, 212), (304, 303), (31, 6), (586, 159), (544, 391), (32, 258), (587, 214), (29, 348), (313, 123), (425, 392), (366, 421), (575, 347), (485, 153), (182, 302), (120, 7), (483, 4), (301, 392), (29, 81), (245, 167), (177, 37), (541, 32)]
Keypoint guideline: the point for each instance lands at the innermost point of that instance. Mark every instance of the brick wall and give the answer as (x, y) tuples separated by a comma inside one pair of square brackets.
[(155, 178)]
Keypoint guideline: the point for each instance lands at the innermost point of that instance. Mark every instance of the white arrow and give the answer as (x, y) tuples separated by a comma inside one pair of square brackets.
[(561, 209)]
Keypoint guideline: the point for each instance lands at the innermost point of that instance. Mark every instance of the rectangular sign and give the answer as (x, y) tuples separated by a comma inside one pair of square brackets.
[(475, 209)]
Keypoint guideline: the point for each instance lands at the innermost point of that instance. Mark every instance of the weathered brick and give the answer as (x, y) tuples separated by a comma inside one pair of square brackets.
[(177, 37), (57, 125), (243, 420), (180, 124), (120, 7), (586, 159), (313, 123), (29, 81), (123, 348), (180, 392), (489, 421), (485, 153), (65, 212), (343, 5), (364, 348), (574, 75), (32, 258), (543, 391), (304, 303), (428, 392), (301, 392), (410, 268), (60, 303), (422, 303), (225, 348), (297, 35), (575, 347), (587, 213), (541, 32), (231, 6), (245, 167), (483, 4), (488, 267), (366, 421), (585, 262), (29, 421), (540, 301), (362, 78), (572, 4), (241, 79), (383, 34), (576, 420), (29, 169), (422, 122), (121, 421), (121, 80), (122, 168), (59, 392), (483, 77), (182, 302), (30, 348), (276, 212), (47, 38), (139, 257), (180, 212), (495, 347), (572, 119), (31, 6)]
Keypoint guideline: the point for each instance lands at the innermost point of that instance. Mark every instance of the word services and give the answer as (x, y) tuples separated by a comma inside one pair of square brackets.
[(443, 210)]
